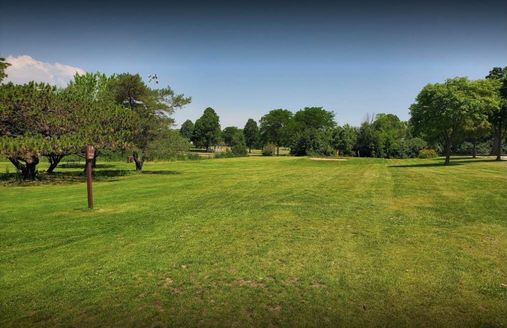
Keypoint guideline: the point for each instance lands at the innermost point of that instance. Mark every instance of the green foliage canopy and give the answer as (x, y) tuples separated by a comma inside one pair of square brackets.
[(251, 133), (274, 128), (498, 114), (441, 110), (207, 129), (187, 129)]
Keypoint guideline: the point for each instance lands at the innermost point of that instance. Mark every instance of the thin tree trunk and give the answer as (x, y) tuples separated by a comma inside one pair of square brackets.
[(54, 160), (498, 141), (277, 150), (474, 148), (447, 151)]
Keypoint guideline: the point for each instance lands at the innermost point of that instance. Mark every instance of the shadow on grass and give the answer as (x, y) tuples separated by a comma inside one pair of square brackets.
[(67, 177), (459, 161), (79, 165), (161, 172)]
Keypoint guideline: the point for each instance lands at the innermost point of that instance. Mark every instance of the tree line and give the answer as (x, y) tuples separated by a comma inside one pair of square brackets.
[(454, 116), (122, 113)]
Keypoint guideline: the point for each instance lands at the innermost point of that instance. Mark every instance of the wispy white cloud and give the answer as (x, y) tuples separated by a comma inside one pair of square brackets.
[(25, 68)]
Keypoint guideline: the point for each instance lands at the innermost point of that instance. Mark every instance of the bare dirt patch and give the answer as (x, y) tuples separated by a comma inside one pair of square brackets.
[(249, 283)]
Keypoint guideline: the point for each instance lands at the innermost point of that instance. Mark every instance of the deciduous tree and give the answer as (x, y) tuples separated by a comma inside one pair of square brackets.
[(187, 129), (498, 115), (441, 110), (311, 131), (207, 129), (229, 133), (274, 128)]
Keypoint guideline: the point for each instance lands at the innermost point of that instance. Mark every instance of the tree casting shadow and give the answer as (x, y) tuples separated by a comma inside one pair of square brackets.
[(161, 172), (67, 177), (81, 165), (460, 161)]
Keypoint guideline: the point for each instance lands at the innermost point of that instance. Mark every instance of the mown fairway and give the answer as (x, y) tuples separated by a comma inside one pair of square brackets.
[(259, 242)]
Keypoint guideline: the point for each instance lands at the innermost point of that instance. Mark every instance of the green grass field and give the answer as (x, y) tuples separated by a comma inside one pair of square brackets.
[(270, 242)]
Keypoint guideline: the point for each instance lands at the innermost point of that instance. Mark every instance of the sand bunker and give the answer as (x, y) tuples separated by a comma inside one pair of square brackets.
[(326, 159)]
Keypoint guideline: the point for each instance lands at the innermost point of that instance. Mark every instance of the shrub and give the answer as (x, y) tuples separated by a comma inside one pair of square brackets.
[(427, 153), (239, 149), (268, 150), (413, 147), (238, 145), (224, 154), (170, 144), (311, 141)]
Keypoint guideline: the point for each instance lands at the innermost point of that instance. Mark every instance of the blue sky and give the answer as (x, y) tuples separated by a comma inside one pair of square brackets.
[(244, 59)]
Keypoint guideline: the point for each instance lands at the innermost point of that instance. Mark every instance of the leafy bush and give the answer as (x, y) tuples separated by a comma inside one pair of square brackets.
[(268, 150), (413, 146), (239, 149), (169, 145), (316, 142), (224, 154), (427, 153), (238, 144)]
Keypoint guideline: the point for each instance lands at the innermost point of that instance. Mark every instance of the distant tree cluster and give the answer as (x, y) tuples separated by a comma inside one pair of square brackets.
[(311, 130), (458, 115), (206, 133)]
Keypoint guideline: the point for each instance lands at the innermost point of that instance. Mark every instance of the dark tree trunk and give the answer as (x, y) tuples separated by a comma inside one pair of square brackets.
[(498, 143), (447, 152), (249, 150), (277, 150), (474, 148), (54, 160), (28, 170), (138, 160)]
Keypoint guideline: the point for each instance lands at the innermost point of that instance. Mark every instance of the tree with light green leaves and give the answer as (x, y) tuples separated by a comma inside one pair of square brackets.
[(441, 110)]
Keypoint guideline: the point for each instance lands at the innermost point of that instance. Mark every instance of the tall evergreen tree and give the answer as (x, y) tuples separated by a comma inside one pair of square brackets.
[(251, 133)]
